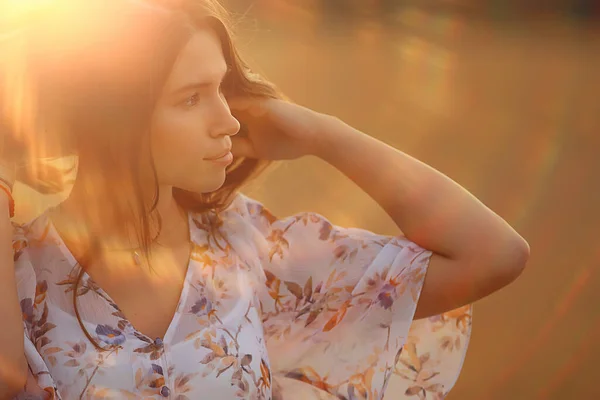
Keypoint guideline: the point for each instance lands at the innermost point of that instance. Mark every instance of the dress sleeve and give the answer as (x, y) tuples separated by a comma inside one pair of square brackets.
[(338, 309), (40, 384)]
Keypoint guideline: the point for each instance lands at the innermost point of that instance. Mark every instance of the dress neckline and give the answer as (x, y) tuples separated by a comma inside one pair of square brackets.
[(76, 266)]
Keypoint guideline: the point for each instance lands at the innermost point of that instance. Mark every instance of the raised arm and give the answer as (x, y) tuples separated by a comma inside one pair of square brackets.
[(475, 251)]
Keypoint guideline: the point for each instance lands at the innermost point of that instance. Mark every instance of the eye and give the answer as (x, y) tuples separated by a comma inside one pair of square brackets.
[(192, 100)]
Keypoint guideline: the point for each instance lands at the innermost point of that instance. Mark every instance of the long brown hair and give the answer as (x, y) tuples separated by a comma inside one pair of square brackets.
[(128, 58)]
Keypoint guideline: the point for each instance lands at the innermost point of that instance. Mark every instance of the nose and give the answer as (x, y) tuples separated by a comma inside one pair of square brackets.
[(225, 123)]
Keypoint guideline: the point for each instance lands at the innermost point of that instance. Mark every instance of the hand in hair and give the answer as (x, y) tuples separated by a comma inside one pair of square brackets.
[(275, 129)]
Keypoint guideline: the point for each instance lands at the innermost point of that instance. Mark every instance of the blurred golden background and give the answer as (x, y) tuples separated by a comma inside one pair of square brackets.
[(502, 96)]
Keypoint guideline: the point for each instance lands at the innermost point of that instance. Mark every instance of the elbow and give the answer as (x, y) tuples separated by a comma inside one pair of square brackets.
[(510, 261), (520, 256)]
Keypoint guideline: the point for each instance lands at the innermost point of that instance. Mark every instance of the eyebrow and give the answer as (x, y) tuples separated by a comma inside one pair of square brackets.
[(198, 85)]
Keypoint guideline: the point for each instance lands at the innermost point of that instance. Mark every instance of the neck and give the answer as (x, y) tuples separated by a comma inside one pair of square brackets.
[(73, 215)]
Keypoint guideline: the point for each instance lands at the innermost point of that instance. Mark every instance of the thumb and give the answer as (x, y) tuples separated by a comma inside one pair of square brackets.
[(242, 147)]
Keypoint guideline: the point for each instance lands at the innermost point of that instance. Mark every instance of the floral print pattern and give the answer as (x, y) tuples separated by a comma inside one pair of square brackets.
[(292, 308)]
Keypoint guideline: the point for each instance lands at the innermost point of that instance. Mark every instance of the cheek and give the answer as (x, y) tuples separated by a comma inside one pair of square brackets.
[(177, 137)]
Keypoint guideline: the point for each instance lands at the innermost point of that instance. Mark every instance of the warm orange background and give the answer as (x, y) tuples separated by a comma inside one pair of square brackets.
[(506, 106)]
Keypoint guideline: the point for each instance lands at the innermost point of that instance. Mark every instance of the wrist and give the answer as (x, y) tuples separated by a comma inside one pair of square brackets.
[(332, 136), (7, 173), (4, 201), (323, 136), (7, 200)]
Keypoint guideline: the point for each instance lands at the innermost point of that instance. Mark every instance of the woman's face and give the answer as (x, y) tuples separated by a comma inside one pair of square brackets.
[(192, 124)]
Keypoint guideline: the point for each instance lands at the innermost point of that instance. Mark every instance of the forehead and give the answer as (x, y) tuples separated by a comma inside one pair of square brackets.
[(200, 60)]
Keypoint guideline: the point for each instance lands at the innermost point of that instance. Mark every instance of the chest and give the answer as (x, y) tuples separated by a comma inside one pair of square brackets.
[(215, 345), (210, 351), (148, 295)]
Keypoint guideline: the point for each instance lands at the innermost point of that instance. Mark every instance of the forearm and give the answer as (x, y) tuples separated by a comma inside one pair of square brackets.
[(429, 208), (13, 366)]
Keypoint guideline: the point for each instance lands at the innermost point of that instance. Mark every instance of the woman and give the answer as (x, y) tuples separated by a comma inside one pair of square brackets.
[(157, 278)]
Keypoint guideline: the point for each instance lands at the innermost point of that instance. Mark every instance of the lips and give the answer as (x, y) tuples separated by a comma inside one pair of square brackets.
[(221, 155)]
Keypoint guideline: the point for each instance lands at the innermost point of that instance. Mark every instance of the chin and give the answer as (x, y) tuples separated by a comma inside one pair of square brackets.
[(208, 182), (211, 186)]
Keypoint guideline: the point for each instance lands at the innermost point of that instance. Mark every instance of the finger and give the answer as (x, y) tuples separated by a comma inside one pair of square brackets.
[(247, 105), (239, 103), (242, 147)]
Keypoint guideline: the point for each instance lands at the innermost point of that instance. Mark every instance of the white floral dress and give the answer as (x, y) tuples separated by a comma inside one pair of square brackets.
[(292, 308)]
